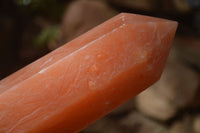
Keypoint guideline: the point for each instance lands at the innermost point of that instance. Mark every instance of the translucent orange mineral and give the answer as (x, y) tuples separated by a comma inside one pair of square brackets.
[(71, 87)]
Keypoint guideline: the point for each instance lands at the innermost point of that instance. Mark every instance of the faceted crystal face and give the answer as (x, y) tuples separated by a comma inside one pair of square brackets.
[(88, 77)]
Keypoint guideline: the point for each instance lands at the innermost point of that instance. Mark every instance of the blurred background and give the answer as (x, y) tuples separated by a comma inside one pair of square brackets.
[(30, 29)]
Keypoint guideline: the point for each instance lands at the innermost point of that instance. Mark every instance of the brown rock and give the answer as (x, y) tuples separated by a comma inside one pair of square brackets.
[(182, 126), (104, 125), (154, 105), (196, 125), (141, 124), (178, 127)]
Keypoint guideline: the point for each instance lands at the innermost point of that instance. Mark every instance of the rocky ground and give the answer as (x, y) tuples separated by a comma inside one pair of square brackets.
[(172, 105)]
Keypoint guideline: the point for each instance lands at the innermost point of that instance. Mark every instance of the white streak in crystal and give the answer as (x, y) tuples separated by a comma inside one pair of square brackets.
[(123, 18), (49, 60), (118, 28), (87, 57), (23, 119), (43, 70), (87, 45), (114, 30), (122, 25)]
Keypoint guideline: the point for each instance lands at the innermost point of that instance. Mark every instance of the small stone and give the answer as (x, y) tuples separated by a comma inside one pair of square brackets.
[(182, 126), (154, 105), (140, 124), (178, 127), (104, 125), (196, 125)]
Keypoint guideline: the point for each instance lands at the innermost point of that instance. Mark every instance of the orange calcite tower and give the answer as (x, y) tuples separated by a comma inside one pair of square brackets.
[(71, 87)]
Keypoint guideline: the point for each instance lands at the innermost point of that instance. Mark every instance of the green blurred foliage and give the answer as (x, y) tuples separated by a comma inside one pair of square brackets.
[(50, 10), (46, 36)]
